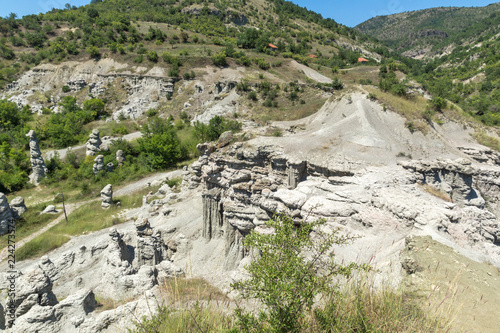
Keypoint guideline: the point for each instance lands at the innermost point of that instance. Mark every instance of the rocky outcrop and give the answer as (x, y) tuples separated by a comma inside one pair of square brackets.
[(150, 248), (120, 157), (452, 177), (116, 265), (107, 196), (244, 185), (98, 164), (6, 217), (38, 168), (17, 207), (94, 144)]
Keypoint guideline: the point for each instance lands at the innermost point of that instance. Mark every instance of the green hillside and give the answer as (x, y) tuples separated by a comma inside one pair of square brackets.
[(433, 29)]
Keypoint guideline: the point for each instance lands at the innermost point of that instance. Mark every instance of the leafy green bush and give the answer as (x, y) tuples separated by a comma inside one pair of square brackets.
[(219, 59), (216, 126), (292, 266), (160, 146)]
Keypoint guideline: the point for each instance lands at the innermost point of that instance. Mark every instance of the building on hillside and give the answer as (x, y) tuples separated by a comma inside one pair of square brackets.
[(312, 56), (363, 60)]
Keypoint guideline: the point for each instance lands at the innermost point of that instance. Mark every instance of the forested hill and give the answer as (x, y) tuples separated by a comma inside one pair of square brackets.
[(115, 26), (430, 31)]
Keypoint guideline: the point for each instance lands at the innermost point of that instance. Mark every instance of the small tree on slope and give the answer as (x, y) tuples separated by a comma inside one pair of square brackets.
[(293, 265)]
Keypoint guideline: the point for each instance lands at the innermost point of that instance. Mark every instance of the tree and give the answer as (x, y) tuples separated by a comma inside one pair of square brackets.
[(95, 107), (293, 264), (219, 59), (94, 52), (160, 146)]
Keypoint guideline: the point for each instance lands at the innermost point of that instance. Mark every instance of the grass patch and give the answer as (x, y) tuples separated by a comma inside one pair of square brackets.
[(87, 218), (104, 304), (487, 140), (41, 245), (184, 289), (412, 107), (30, 222), (200, 307), (436, 192), (360, 309)]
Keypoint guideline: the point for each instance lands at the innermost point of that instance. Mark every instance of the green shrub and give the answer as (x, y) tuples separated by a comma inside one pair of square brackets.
[(286, 280), (219, 59)]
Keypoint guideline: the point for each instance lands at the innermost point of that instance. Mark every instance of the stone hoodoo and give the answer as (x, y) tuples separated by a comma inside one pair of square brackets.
[(39, 170), (245, 184), (18, 207), (98, 164), (94, 143), (150, 248), (5, 214), (107, 196), (120, 157)]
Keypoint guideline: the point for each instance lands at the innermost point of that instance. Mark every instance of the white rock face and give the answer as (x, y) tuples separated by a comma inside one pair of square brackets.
[(245, 184), (115, 265)]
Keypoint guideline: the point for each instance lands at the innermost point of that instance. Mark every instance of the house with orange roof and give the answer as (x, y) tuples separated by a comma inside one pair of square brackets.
[(363, 60), (272, 47)]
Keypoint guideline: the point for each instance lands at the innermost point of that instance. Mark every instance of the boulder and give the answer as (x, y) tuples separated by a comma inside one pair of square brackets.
[(18, 207)]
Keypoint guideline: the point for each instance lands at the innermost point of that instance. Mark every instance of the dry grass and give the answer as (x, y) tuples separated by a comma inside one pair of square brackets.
[(180, 290), (436, 192), (104, 304), (487, 140)]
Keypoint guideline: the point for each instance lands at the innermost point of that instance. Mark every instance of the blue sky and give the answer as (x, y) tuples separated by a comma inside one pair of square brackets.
[(349, 13)]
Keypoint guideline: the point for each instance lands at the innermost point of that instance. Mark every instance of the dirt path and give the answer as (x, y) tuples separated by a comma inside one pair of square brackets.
[(311, 73), (19, 243), (126, 190)]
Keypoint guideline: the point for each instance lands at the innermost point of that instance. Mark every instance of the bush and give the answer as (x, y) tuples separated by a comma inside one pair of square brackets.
[(65, 89), (216, 126), (438, 103), (152, 56), (160, 146), (219, 59), (286, 280)]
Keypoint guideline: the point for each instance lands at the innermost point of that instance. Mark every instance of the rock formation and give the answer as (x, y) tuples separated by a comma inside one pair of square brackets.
[(5, 214), (150, 248), (109, 266), (120, 157), (18, 207), (98, 164), (109, 167), (244, 185), (94, 143), (39, 170), (107, 196)]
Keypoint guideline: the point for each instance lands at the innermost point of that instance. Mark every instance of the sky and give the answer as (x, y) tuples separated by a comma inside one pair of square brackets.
[(349, 13)]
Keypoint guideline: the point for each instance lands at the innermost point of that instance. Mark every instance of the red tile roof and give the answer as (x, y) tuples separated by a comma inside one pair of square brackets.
[(362, 60), (272, 46)]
